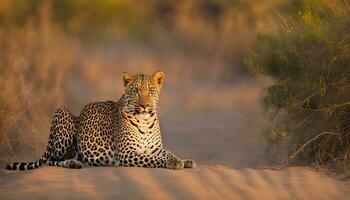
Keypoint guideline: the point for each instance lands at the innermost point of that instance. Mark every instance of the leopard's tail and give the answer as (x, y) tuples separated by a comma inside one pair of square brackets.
[(29, 165)]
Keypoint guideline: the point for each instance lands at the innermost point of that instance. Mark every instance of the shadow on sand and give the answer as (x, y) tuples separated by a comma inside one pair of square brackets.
[(205, 182)]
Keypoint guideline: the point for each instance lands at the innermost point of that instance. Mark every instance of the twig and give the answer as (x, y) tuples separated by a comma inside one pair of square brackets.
[(283, 21), (329, 108), (340, 105), (308, 142), (302, 122)]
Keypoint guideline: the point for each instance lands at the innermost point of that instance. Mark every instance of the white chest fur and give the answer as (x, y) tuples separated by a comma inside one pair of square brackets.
[(146, 134)]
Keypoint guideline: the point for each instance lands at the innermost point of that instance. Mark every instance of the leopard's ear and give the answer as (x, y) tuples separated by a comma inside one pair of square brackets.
[(158, 79), (127, 79)]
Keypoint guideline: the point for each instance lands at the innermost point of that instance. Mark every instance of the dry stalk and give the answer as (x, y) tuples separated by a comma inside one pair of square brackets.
[(310, 141)]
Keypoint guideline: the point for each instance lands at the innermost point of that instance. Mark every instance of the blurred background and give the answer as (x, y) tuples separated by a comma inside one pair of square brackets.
[(64, 52)]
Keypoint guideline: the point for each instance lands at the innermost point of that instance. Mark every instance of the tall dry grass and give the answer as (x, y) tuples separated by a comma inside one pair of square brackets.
[(44, 66), (33, 62)]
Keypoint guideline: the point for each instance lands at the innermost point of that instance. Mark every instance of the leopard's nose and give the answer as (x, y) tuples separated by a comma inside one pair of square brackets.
[(144, 106)]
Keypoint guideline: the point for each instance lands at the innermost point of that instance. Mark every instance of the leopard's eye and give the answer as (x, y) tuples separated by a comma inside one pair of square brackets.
[(152, 92), (133, 91)]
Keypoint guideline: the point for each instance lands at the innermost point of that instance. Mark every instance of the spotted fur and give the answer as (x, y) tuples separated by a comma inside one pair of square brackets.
[(122, 133)]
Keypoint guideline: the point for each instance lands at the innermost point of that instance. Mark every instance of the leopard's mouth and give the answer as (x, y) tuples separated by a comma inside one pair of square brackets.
[(140, 110)]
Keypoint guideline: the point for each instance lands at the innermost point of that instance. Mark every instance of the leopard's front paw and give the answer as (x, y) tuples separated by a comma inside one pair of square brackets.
[(188, 163), (179, 164), (175, 163)]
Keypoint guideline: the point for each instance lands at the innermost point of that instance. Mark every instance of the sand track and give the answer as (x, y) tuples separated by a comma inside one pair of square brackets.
[(228, 147), (205, 182)]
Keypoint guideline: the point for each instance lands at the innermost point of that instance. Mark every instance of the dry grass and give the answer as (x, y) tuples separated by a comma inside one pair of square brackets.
[(33, 69), (43, 67)]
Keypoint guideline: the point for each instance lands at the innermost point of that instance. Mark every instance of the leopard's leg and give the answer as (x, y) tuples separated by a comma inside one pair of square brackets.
[(174, 162), (97, 149), (71, 159), (160, 159), (71, 163), (62, 143)]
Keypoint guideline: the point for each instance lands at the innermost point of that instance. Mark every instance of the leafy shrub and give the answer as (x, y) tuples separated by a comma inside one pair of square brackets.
[(309, 61)]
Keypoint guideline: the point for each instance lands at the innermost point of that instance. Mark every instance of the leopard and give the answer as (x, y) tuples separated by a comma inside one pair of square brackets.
[(111, 133)]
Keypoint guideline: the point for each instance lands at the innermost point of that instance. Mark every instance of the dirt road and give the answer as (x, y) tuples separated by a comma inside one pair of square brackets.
[(227, 146), (205, 182)]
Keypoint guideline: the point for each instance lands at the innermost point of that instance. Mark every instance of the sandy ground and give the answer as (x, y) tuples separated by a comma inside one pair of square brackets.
[(205, 182), (227, 146)]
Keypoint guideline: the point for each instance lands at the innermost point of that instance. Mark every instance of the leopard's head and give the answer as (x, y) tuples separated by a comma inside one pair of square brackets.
[(142, 92)]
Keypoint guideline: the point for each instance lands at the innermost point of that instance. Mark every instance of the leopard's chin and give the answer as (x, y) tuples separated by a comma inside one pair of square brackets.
[(143, 116)]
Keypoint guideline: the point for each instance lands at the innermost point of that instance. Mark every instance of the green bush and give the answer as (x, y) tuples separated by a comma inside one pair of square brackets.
[(309, 62)]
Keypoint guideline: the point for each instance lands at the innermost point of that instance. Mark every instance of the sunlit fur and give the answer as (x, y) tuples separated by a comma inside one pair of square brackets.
[(141, 84), (122, 133)]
